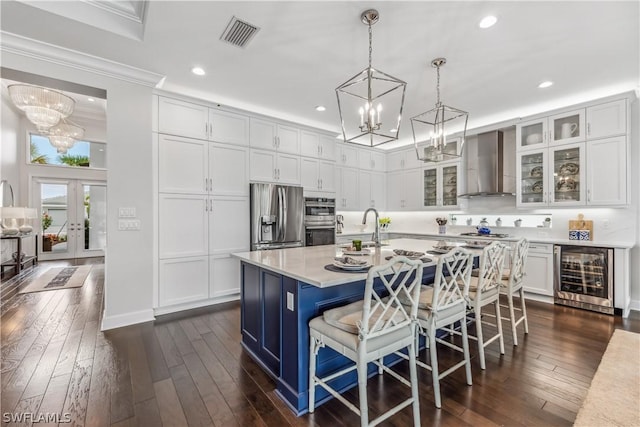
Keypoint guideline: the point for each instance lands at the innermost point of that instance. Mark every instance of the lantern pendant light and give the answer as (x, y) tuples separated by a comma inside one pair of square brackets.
[(437, 126), (370, 103)]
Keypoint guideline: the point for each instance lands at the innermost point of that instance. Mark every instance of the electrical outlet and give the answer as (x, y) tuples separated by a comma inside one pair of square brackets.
[(605, 224), (290, 305), (128, 224)]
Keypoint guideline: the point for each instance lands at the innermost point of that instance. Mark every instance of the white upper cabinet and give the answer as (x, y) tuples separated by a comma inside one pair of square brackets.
[(274, 136), (272, 166), (182, 165), (309, 144), (371, 160), (605, 120), (347, 191), (567, 128), (327, 147), (371, 190), (230, 128), (317, 175), (347, 155), (404, 159), (228, 225), (193, 166), (201, 122), (441, 185), (607, 171), (317, 145), (183, 118), (562, 128), (404, 190)]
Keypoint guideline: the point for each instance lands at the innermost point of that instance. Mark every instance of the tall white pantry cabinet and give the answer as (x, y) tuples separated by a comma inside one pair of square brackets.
[(203, 203)]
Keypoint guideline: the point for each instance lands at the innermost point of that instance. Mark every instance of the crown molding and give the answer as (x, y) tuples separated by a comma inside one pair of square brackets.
[(30, 48)]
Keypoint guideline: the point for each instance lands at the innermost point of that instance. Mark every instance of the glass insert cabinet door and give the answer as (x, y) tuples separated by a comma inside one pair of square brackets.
[(431, 187), (533, 175), (450, 185), (532, 135), (568, 175), (567, 127)]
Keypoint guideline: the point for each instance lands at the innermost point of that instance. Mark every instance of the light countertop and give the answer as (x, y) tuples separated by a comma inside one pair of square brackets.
[(512, 238), (306, 264)]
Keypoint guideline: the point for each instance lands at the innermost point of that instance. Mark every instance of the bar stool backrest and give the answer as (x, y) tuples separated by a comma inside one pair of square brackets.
[(490, 275), (383, 314), (518, 264), (453, 268)]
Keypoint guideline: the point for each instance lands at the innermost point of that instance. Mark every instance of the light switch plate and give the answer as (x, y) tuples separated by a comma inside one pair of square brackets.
[(126, 212)]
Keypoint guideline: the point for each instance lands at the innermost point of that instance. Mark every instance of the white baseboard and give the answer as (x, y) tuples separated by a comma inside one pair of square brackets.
[(634, 305), (126, 319), (158, 311)]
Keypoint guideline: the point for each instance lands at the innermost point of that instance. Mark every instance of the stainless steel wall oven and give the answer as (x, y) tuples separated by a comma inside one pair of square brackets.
[(583, 277), (319, 221)]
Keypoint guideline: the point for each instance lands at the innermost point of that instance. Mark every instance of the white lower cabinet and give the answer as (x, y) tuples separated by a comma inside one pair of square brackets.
[(183, 221), (198, 234), (183, 280), (224, 276), (538, 277)]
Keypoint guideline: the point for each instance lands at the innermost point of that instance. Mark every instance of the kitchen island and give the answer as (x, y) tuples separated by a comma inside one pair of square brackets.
[(285, 288)]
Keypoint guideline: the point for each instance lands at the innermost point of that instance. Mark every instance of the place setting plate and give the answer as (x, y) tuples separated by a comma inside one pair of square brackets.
[(347, 263), (352, 252), (412, 255), (476, 244)]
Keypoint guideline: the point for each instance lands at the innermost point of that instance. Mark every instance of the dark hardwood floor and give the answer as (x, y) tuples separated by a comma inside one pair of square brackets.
[(190, 369)]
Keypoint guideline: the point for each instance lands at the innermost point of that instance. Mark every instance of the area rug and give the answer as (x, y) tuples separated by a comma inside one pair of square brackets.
[(614, 395), (59, 278)]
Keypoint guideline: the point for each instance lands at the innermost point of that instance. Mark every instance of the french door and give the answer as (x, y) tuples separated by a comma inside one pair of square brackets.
[(73, 217)]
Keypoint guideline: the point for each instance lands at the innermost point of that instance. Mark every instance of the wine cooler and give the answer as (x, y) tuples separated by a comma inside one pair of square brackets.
[(583, 277)]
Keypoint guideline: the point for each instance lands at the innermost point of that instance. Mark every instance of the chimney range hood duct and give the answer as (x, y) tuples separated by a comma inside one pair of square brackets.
[(490, 165)]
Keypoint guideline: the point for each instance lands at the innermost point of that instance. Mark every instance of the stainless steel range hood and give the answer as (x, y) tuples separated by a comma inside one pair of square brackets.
[(490, 165)]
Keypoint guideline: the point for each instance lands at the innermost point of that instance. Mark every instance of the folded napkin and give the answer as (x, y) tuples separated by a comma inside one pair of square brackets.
[(411, 254), (347, 260)]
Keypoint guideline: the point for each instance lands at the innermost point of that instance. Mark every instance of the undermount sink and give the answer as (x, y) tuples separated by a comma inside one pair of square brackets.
[(371, 244)]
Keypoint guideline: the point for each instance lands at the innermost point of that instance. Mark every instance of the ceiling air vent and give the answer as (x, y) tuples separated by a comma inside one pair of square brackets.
[(239, 33)]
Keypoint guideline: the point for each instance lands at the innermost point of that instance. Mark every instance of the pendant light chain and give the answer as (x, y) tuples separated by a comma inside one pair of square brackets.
[(370, 43)]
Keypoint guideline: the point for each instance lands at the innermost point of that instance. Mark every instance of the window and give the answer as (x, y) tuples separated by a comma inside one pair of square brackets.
[(83, 153)]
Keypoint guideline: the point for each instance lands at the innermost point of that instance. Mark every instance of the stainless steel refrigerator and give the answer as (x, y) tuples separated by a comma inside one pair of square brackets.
[(277, 216)]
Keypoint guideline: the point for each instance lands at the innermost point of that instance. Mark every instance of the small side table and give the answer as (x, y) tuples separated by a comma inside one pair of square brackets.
[(20, 264)]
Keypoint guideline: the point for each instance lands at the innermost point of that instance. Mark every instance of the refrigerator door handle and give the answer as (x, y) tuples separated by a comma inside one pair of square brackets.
[(280, 214), (284, 209)]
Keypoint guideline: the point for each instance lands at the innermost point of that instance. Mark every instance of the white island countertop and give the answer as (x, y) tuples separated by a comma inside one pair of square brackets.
[(307, 264)]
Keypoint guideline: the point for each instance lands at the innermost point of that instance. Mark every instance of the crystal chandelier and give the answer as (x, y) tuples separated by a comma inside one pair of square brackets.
[(362, 97), (43, 107), (436, 125), (64, 135)]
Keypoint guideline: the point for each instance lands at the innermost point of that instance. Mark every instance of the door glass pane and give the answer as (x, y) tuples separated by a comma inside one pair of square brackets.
[(566, 175), (531, 134), (532, 181), (430, 187), (566, 127), (95, 217), (450, 186), (55, 217)]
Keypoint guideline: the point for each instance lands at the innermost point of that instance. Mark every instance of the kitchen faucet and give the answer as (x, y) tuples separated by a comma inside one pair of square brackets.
[(376, 233)]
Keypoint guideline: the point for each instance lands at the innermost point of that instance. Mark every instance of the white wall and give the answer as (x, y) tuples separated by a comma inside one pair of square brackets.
[(128, 262), (8, 163)]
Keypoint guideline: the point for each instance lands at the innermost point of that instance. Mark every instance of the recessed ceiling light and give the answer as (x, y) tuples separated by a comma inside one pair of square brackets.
[(488, 21), (545, 84), (198, 71), (321, 108), (393, 130), (339, 136), (90, 99)]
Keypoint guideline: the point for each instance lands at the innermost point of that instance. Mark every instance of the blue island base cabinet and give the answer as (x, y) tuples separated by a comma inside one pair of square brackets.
[(276, 311)]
